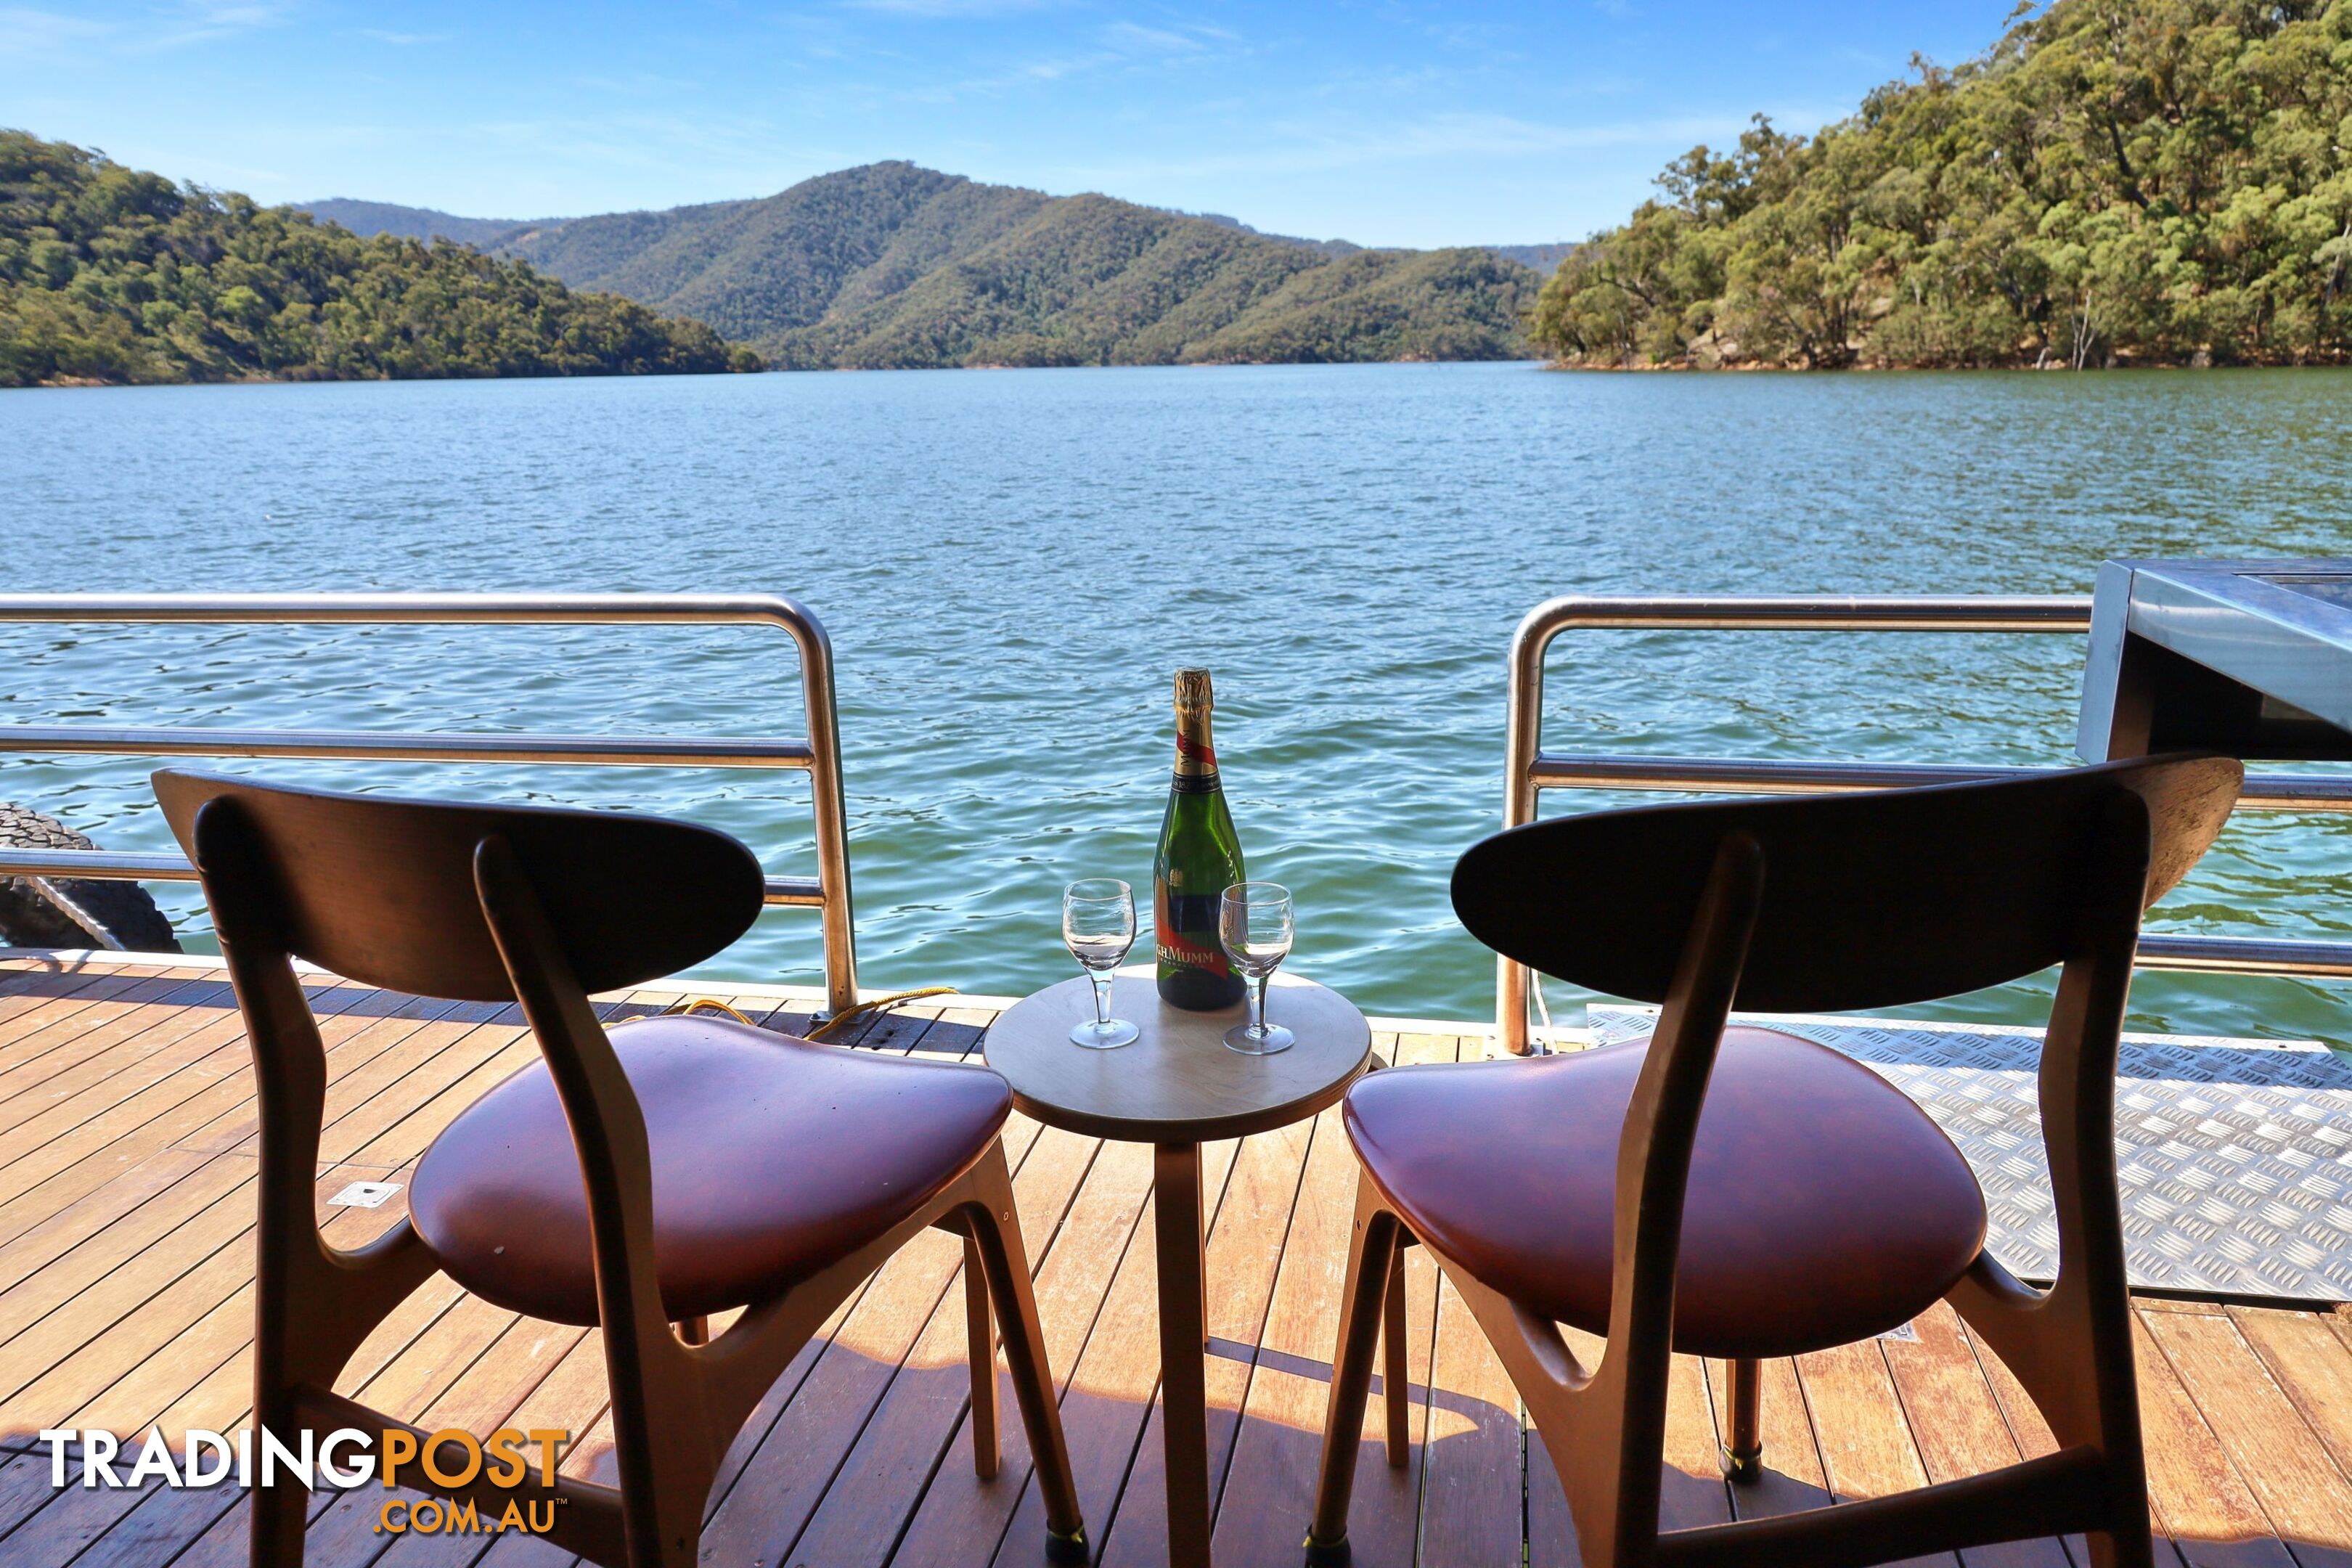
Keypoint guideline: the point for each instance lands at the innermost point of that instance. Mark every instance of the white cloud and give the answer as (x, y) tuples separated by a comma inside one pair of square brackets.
[(195, 22), (24, 31), (1134, 36)]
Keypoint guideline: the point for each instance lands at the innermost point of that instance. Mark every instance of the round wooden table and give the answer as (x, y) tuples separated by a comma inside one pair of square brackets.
[(1176, 1088)]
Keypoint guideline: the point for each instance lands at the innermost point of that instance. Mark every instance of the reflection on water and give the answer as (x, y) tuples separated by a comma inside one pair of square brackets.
[(1012, 564)]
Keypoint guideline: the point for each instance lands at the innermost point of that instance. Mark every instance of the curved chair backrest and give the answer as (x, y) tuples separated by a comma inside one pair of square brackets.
[(1869, 900), (382, 890)]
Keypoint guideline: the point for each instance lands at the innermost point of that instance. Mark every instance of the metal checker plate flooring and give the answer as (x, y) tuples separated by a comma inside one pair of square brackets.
[(2234, 1156)]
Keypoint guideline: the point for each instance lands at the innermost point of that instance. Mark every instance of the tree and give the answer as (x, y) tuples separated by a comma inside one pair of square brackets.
[(2113, 182), (108, 274)]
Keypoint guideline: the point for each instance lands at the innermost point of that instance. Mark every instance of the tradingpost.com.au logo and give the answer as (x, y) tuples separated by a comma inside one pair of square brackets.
[(345, 1457)]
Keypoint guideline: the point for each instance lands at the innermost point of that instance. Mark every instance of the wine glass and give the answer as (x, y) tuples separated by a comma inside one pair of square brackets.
[(1253, 927), (1098, 926)]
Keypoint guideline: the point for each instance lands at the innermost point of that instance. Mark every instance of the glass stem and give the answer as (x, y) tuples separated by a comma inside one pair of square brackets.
[(1102, 998), (1257, 1020)]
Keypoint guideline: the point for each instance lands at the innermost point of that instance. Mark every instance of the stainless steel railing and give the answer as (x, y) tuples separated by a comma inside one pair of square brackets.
[(1530, 769), (819, 755)]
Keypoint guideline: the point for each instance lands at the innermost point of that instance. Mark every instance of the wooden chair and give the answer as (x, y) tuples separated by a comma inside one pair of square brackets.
[(1747, 1194), (672, 1168)]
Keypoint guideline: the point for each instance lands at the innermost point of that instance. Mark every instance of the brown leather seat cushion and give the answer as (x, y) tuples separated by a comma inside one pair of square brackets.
[(1824, 1205), (772, 1158)]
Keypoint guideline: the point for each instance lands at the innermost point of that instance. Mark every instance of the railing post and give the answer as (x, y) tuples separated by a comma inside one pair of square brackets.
[(1523, 736), (818, 701)]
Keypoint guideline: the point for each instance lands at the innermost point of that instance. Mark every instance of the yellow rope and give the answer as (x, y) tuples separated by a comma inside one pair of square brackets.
[(713, 1003), (838, 1020), (875, 1005)]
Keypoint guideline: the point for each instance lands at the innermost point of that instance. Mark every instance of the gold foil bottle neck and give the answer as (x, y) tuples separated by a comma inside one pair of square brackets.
[(1193, 688)]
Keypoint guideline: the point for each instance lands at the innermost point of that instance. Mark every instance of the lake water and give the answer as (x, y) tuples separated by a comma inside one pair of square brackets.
[(1011, 564)]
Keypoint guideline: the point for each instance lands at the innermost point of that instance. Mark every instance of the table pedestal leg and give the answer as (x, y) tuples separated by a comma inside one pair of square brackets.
[(1183, 1331)]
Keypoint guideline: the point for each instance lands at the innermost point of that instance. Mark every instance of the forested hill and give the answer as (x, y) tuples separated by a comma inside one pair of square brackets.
[(111, 275), (893, 266), (2115, 182)]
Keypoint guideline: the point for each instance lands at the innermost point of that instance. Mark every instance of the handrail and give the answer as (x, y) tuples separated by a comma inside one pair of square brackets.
[(1723, 775), (1529, 768), (819, 755), (399, 746)]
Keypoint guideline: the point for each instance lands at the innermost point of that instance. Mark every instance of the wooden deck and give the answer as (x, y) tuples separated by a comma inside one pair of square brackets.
[(126, 1166)]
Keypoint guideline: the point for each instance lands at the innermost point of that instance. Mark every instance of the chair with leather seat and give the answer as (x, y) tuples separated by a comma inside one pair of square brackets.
[(1743, 1194), (632, 1180)]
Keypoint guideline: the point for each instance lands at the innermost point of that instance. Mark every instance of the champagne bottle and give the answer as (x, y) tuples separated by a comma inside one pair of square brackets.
[(1199, 858)]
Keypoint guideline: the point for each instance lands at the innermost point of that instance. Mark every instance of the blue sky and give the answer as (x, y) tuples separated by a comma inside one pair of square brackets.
[(1387, 123)]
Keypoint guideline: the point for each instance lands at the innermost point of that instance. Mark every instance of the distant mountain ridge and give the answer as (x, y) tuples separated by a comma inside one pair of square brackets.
[(1545, 259), (894, 266), (369, 219)]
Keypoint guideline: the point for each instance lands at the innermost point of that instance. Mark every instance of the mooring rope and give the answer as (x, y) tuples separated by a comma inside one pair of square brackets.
[(856, 1010)]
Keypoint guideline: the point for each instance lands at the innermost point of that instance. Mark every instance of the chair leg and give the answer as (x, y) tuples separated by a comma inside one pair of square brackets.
[(2122, 1547), (1743, 1455), (1369, 1250), (997, 1233), (981, 1335), (1395, 1378)]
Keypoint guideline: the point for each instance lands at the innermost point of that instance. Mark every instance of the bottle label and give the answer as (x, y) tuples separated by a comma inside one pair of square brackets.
[(1187, 933)]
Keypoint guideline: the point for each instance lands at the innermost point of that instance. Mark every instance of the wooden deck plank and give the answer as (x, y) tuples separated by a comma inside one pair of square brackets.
[(381, 1092), (2302, 1491), (96, 1359), (1956, 1420), (1076, 1285), (125, 1279), (24, 989), (923, 1429), (96, 1234), (1865, 1445), (73, 1518), (2032, 1433), (2313, 1366), (781, 1487), (97, 1107), (24, 1491), (29, 1009), (128, 1007), (1109, 1387), (45, 1181), (182, 1328), (1268, 1495), (1461, 1481), (482, 1398), (381, 1052), (1473, 1455), (2200, 1499), (159, 1529), (82, 1305), (182, 1050), (1246, 1241)]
